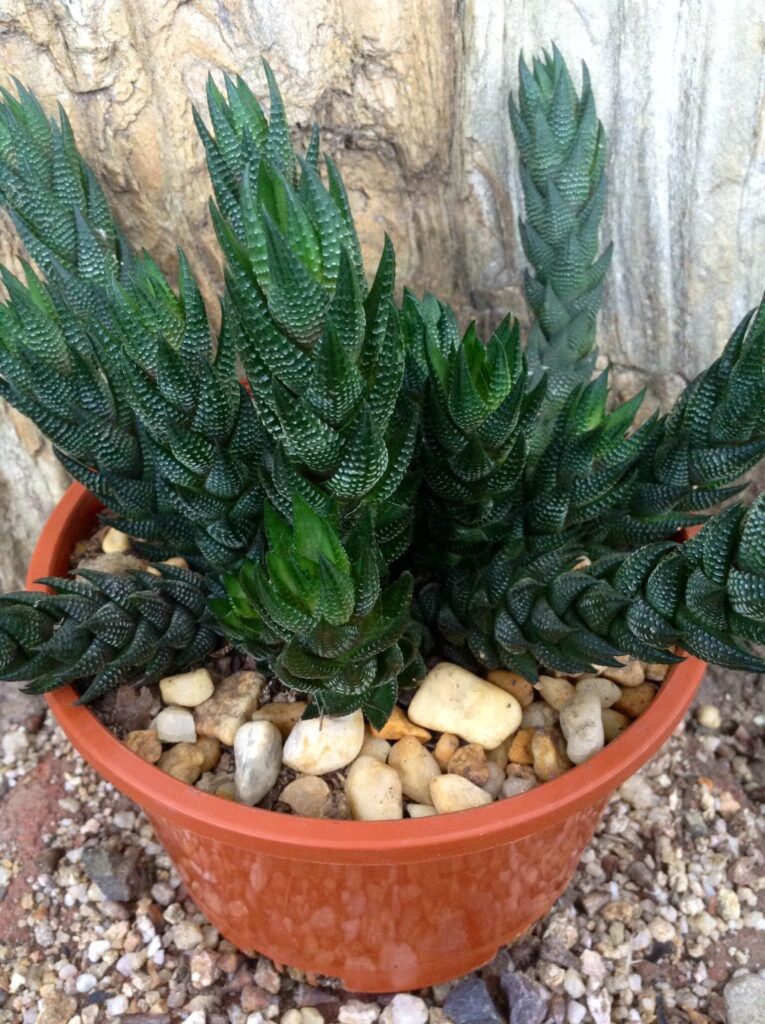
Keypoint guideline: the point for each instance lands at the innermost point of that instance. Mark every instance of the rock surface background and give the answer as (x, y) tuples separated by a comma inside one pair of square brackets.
[(413, 101)]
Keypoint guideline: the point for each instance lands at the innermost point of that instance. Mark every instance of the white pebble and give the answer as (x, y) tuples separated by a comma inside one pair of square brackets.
[(97, 948), (196, 1017), (131, 962), (405, 1009), (357, 1012), (116, 1006), (593, 965), (86, 983), (175, 725), (14, 744), (573, 984), (258, 760), (575, 1013), (599, 1005), (186, 935), (582, 725), (317, 746), (637, 792), (44, 934)]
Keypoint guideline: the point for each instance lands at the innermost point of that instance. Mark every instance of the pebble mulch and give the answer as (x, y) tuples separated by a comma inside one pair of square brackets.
[(664, 920)]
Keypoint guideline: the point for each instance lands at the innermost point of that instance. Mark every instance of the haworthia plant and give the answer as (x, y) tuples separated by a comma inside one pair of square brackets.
[(106, 629), (384, 486), (562, 152)]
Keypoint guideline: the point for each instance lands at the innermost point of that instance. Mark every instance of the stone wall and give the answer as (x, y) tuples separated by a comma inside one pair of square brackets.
[(412, 95)]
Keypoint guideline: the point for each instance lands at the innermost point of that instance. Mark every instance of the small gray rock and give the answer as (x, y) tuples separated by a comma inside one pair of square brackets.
[(745, 999), (119, 874), (469, 1002), (526, 1001)]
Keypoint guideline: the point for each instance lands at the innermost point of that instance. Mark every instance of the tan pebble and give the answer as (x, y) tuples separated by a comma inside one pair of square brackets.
[(114, 541), (604, 689), (631, 673), (520, 748), (421, 810), (709, 716), (656, 672), (470, 762), (307, 796), (310, 1015), (635, 699), (145, 743), (183, 761), (398, 726), (416, 767), (284, 714), (374, 791), (187, 689), (539, 716), (373, 746), (512, 683), (498, 755), (451, 699), (619, 910), (220, 784), (520, 771), (210, 747), (614, 723), (547, 750), (177, 561), (556, 692), (444, 749), (662, 930), (234, 700), (454, 793)]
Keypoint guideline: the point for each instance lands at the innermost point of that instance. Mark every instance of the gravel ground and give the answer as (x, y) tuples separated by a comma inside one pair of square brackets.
[(664, 920)]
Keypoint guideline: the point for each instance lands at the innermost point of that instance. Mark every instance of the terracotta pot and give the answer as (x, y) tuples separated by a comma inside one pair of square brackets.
[(385, 906)]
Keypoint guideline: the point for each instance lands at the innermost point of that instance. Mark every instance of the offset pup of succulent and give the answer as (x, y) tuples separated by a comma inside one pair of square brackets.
[(380, 489)]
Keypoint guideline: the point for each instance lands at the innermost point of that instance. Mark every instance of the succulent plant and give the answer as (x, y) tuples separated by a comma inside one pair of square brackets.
[(382, 487), (562, 150), (317, 612), (106, 629)]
